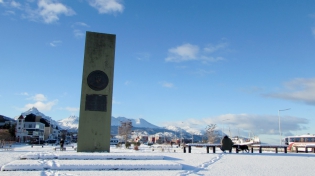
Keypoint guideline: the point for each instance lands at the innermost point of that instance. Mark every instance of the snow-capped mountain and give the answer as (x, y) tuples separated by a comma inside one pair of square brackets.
[(72, 122), (141, 123), (186, 129), (140, 126), (35, 111)]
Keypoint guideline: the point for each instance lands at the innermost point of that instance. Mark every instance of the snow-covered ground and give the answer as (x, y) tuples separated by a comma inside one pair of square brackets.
[(152, 161)]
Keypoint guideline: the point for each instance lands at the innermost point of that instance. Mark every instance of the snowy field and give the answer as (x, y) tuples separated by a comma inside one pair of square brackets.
[(153, 161)]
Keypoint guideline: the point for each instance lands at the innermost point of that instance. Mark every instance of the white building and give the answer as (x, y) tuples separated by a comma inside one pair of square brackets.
[(32, 127)]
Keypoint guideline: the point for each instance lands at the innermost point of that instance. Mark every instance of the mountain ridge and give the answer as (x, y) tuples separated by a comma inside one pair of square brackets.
[(71, 124)]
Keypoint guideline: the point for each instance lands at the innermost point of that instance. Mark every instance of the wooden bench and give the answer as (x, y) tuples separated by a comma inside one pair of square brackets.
[(261, 146), (306, 148), (61, 149), (213, 146), (7, 148)]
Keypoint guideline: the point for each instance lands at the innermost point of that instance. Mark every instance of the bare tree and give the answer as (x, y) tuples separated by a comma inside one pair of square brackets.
[(210, 133), (124, 130)]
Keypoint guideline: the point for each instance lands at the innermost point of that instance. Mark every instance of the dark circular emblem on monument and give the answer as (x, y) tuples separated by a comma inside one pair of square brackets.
[(97, 80)]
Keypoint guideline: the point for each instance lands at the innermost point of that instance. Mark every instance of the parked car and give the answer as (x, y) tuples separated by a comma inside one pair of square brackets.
[(35, 141), (148, 143), (51, 141)]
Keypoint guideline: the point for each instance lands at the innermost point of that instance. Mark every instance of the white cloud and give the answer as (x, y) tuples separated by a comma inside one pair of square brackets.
[(72, 109), (206, 59), (55, 43), (245, 123), (24, 93), (182, 53), (47, 10), (107, 6), (202, 72), (50, 11), (40, 102), (143, 56), (212, 48), (41, 106), (15, 4), (127, 83), (39, 97), (78, 33), (1, 1), (189, 52), (300, 89), (80, 24), (9, 12), (167, 84)]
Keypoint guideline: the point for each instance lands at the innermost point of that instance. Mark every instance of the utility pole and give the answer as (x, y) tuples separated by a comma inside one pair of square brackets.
[(192, 138), (279, 123), (164, 135), (49, 127)]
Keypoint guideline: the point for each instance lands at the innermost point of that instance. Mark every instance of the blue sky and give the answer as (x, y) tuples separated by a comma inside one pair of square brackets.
[(230, 63)]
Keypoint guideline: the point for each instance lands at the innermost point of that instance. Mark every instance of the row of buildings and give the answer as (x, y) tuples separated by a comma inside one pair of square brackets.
[(35, 128)]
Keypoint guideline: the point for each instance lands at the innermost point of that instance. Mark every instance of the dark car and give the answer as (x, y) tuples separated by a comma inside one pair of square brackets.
[(35, 141), (51, 141)]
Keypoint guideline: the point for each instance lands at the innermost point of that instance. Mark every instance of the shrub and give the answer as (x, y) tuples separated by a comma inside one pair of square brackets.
[(136, 143), (127, 144)]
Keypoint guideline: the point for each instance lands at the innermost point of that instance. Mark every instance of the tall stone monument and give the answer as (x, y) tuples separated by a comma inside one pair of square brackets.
[(96, 93)]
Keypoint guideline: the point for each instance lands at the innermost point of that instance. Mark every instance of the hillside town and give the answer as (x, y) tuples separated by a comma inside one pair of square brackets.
[(34, 127)]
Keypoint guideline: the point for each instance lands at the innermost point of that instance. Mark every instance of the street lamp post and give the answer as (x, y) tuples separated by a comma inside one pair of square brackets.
[(223, 126), (181, 135), (280, 123), (49, 127)]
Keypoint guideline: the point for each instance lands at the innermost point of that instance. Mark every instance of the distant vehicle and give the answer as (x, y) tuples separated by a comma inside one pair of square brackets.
[(51, 141), (114, 141), (148, 143), (35, 141), (301, 140)]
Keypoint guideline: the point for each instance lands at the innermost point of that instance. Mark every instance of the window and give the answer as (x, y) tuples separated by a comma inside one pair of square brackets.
[(30, 125), (309, 139), (297, 139)]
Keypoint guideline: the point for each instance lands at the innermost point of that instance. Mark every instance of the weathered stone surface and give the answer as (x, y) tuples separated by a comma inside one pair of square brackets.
[(96, 93)]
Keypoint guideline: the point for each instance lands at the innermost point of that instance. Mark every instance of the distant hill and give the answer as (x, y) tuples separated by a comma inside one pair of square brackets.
[(35, 111), (72, 123), (4, 118), (140, 126)]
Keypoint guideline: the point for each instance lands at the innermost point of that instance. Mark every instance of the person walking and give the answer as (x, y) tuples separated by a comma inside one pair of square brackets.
[(62, 142), (226, 144)]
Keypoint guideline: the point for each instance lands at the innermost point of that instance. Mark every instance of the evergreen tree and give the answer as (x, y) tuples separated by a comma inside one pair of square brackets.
[(12, 130)]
